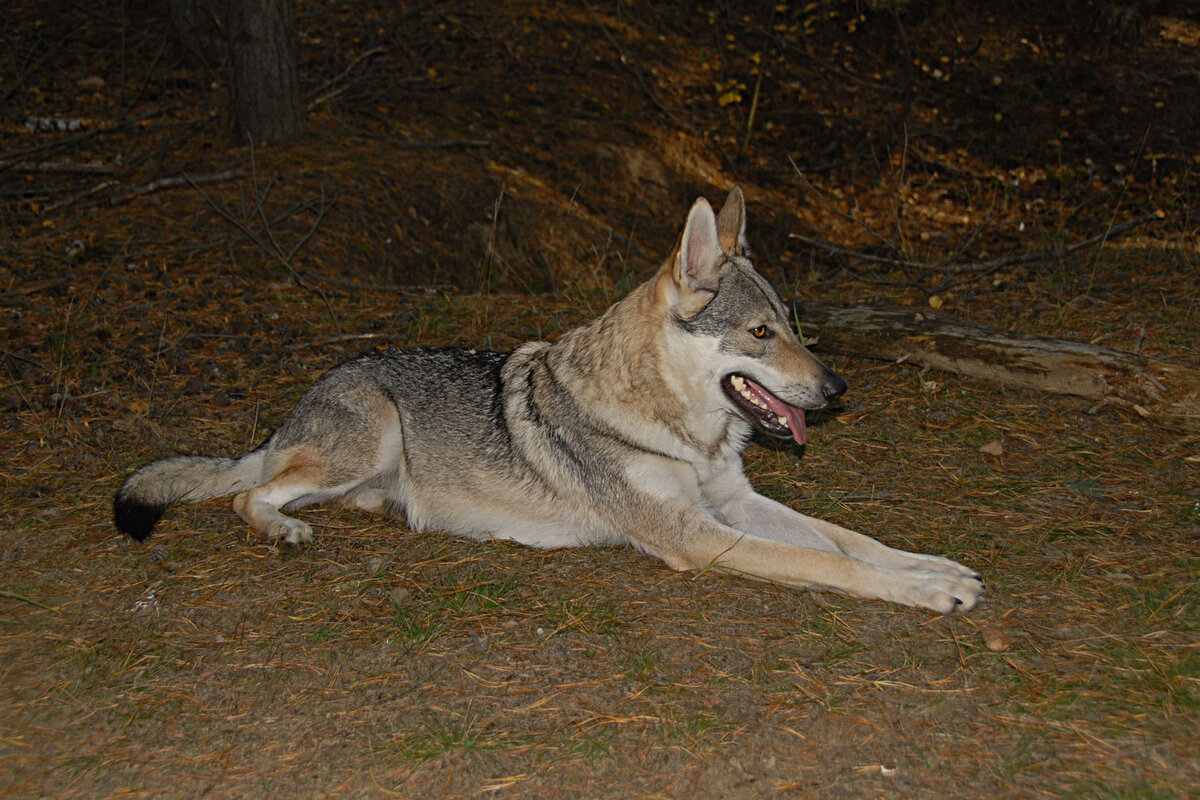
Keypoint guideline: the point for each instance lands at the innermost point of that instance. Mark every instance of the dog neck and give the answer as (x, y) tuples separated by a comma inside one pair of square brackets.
[(620, 367)]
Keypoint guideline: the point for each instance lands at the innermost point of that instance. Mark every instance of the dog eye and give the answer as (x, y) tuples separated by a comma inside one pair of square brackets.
[(761, 332)]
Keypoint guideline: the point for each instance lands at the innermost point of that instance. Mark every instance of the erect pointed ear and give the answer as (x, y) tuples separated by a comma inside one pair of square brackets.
[(731, 223), (700, 254)]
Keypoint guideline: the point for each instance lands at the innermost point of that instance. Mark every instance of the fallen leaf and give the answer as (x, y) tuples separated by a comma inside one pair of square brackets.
[(995, 639), (993, 448)]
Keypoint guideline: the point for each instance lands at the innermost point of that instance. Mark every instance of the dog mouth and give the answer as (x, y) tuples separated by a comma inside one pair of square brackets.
[(772, 415)]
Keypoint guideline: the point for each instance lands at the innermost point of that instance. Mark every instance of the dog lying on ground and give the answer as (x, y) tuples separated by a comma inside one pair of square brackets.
[(629, 429)]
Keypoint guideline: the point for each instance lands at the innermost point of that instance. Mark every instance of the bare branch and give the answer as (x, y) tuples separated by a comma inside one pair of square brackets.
[(983, 267)]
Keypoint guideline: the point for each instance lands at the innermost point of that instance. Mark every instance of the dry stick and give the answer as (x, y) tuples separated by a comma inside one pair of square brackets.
[(897, 200), (1120, 199), (983, 266), (70, 140), (443, 143), (57, 166), (78, 196), (964, 242), (17, 83), (159, 184), (410, 290), (273, 249), (192, 249), (986, 268), (255, 239), (395, 22), (6, 354), (341, 337), (856, 220), (753, 106), (287, 259), (158, 352), (329, 84), (258, 201), (156, 185), (60, 384), (629, 64), (24, 599), (303, 240)]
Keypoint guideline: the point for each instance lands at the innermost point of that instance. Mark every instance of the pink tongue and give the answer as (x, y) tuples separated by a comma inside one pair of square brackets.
[(794, 416)]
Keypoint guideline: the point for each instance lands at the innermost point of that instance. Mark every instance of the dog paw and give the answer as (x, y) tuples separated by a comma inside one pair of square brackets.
[(292, 531), (941, 591)]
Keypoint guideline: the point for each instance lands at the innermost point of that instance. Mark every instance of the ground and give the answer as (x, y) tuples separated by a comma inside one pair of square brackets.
[(492, 173)]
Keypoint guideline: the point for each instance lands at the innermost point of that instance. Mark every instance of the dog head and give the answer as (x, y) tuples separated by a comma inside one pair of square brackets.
[(752, 361)]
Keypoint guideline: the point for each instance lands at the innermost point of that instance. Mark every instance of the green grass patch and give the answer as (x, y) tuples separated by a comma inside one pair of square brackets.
[(446, 735)]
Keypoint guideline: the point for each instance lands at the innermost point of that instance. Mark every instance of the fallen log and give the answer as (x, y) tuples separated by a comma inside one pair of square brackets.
[(1162, 392)]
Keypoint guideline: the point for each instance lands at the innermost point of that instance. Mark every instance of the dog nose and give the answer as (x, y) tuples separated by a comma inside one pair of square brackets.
[(834, 387)]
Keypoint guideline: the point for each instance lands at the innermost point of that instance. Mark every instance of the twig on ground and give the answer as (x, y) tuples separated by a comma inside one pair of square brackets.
[(159, 184), (80, 196), (753, 107), (895, 196), (983, 267), (411, 290), (322, 94), (58, 166), (30, 600), (156, 185), (71, 140), (862, 223), (340, 338), (272, 247), (6, 354), (443, 143)]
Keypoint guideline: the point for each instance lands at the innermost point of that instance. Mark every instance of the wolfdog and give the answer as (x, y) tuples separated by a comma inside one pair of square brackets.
[(629, 429)]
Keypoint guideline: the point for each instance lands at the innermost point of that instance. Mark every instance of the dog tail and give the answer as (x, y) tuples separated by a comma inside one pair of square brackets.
[(145, 495)]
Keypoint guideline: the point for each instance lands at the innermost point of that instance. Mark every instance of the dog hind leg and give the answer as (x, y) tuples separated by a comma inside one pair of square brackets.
[(303, 475), (344, 444)]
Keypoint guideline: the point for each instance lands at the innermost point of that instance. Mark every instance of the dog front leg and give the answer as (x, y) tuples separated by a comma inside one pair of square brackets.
[(761, 516), (687, 539)]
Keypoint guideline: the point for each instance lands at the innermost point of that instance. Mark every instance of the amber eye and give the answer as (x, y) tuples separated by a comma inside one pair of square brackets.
[(761, 332)]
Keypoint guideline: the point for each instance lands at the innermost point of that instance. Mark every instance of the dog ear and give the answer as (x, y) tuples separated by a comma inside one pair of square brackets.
[(700, 253), (731, 224)]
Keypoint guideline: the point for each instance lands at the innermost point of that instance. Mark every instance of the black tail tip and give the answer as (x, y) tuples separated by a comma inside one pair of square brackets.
[(136, 518)]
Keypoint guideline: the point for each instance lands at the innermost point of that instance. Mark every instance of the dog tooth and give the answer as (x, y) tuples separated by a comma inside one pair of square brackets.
[(782, 420)]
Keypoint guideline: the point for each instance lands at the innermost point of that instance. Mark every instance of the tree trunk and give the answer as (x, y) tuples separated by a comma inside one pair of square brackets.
[(264, 87), (1160, 391)]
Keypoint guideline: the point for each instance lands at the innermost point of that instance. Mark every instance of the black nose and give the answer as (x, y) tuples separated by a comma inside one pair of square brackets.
[(834, 387)]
